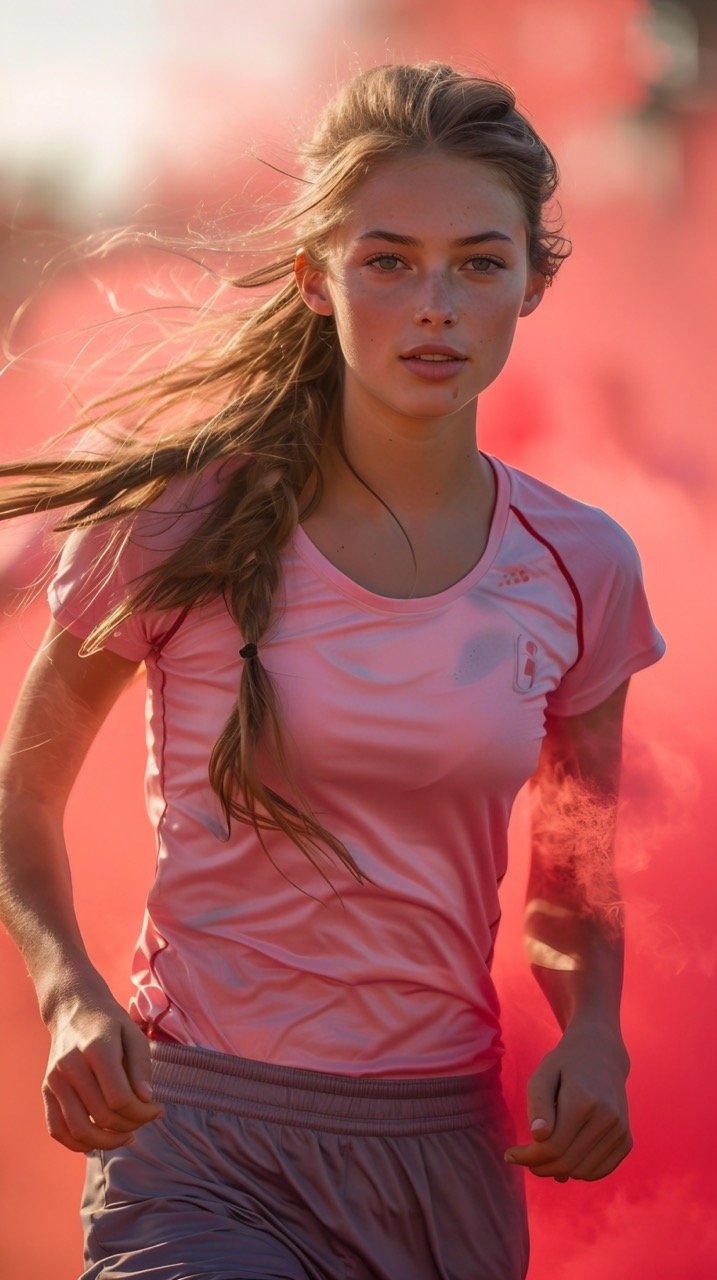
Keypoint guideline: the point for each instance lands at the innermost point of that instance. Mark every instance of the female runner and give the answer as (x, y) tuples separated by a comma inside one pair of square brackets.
[(361, 636)]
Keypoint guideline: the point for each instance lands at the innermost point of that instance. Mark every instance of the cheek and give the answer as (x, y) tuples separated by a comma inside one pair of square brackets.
[(495, 327), (363, 324), (497, 311)]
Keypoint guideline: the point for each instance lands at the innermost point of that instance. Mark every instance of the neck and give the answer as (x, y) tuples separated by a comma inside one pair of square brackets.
[(416, 466)]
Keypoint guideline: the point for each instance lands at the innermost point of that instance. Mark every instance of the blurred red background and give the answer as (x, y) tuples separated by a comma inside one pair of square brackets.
[(149, 111)]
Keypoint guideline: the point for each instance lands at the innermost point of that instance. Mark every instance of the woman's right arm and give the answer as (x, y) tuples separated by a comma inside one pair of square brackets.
[(96, 1088)]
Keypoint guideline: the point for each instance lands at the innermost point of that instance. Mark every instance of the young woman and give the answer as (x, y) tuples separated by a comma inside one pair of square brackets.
[(361, 636)]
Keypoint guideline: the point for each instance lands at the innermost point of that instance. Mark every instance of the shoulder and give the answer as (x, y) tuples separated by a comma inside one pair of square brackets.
[(180, 510), (101, 564), (614, 631), (132, 544), (585, 538)]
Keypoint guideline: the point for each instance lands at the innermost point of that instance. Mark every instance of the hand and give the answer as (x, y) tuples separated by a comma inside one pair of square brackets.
[(577, 1108), (97, 1087)]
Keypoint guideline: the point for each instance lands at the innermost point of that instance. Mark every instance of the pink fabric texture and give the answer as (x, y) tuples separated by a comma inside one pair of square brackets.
[(412, 724)]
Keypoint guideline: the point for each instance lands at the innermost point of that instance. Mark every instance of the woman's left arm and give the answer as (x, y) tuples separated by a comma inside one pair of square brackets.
[(577, 1106)]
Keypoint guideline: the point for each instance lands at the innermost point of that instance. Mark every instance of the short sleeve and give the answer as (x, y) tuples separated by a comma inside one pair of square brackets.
[(618, 636), (96, 572), (101, 565)]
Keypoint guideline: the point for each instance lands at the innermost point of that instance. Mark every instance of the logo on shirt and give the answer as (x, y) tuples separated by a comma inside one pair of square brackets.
[(514, 576), (526, 656)]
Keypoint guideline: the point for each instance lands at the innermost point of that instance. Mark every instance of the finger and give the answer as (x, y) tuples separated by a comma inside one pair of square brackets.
[(137, 1063), (603, 1160), (598, 1164), (56, 1124), (532, 1155), (608, 1166), (119, 1096), (580, 1124), (100, 1083), (592, 1148), (547, 1153), (584, 1127), (85, 1086), (543, 1089), (69, 1123)]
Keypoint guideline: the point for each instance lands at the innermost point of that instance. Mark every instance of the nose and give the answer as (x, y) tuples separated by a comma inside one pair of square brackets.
[(437, 306)]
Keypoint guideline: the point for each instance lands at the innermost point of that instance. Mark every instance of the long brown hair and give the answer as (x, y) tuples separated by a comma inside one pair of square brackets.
[(273, 376)]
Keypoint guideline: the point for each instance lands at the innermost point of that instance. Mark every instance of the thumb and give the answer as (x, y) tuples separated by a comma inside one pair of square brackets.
[(542, 1093), (137, 1062)]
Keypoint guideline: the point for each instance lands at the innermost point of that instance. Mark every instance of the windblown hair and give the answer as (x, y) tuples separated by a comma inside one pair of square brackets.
[(272, 376)]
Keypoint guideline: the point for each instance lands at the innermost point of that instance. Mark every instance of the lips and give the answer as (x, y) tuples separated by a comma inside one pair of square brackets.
[(434, 362), (433, 349)]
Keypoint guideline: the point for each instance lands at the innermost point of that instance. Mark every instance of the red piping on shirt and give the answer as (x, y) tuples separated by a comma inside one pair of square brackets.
[(568, 578), (167, 635), (158, 647)]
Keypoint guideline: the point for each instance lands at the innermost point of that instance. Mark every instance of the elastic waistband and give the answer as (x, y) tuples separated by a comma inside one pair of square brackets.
[(362, 1105)]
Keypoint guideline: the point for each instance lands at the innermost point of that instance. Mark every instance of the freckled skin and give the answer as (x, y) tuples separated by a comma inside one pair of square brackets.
[(410, 436), (469, 297)]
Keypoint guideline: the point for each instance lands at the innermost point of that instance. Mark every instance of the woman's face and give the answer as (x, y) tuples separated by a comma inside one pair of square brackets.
[(401, 274)]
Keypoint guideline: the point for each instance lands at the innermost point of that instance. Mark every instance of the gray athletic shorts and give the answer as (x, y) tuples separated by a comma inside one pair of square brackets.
[(256, 1172)]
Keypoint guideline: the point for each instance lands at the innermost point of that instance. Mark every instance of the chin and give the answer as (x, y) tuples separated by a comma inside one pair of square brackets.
[(450, 396)]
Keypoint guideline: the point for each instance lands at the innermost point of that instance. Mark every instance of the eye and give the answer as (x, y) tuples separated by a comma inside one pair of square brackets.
[(383, 257), (486, 265)]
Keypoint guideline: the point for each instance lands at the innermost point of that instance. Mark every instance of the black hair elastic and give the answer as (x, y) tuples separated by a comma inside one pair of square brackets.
[(249, 651)]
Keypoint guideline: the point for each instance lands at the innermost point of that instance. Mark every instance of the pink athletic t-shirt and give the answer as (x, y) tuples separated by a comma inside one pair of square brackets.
[(411, 724)]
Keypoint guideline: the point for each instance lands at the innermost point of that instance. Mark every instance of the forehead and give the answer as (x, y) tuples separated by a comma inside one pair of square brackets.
[(435, 195)]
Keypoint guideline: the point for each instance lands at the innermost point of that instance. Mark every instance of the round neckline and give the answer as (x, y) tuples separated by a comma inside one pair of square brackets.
[(310, 553)]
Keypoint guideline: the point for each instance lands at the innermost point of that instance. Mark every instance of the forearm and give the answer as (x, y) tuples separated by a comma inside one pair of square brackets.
[(574, 927), (97, 1085), (577, 1105), (97, 1088), (36, 903), (577, 959)]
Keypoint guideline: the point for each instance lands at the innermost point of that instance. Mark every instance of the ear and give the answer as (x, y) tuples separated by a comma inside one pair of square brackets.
[(534, 291), (312, 285)]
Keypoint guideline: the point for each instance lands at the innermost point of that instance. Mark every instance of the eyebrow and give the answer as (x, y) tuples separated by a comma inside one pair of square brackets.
[(395, 238)]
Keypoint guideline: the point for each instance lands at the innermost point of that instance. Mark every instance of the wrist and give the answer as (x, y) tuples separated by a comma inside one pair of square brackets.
[(64, 983), (603, 1034)]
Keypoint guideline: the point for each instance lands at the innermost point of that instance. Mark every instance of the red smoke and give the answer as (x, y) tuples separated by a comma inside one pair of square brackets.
[(609, 395)]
